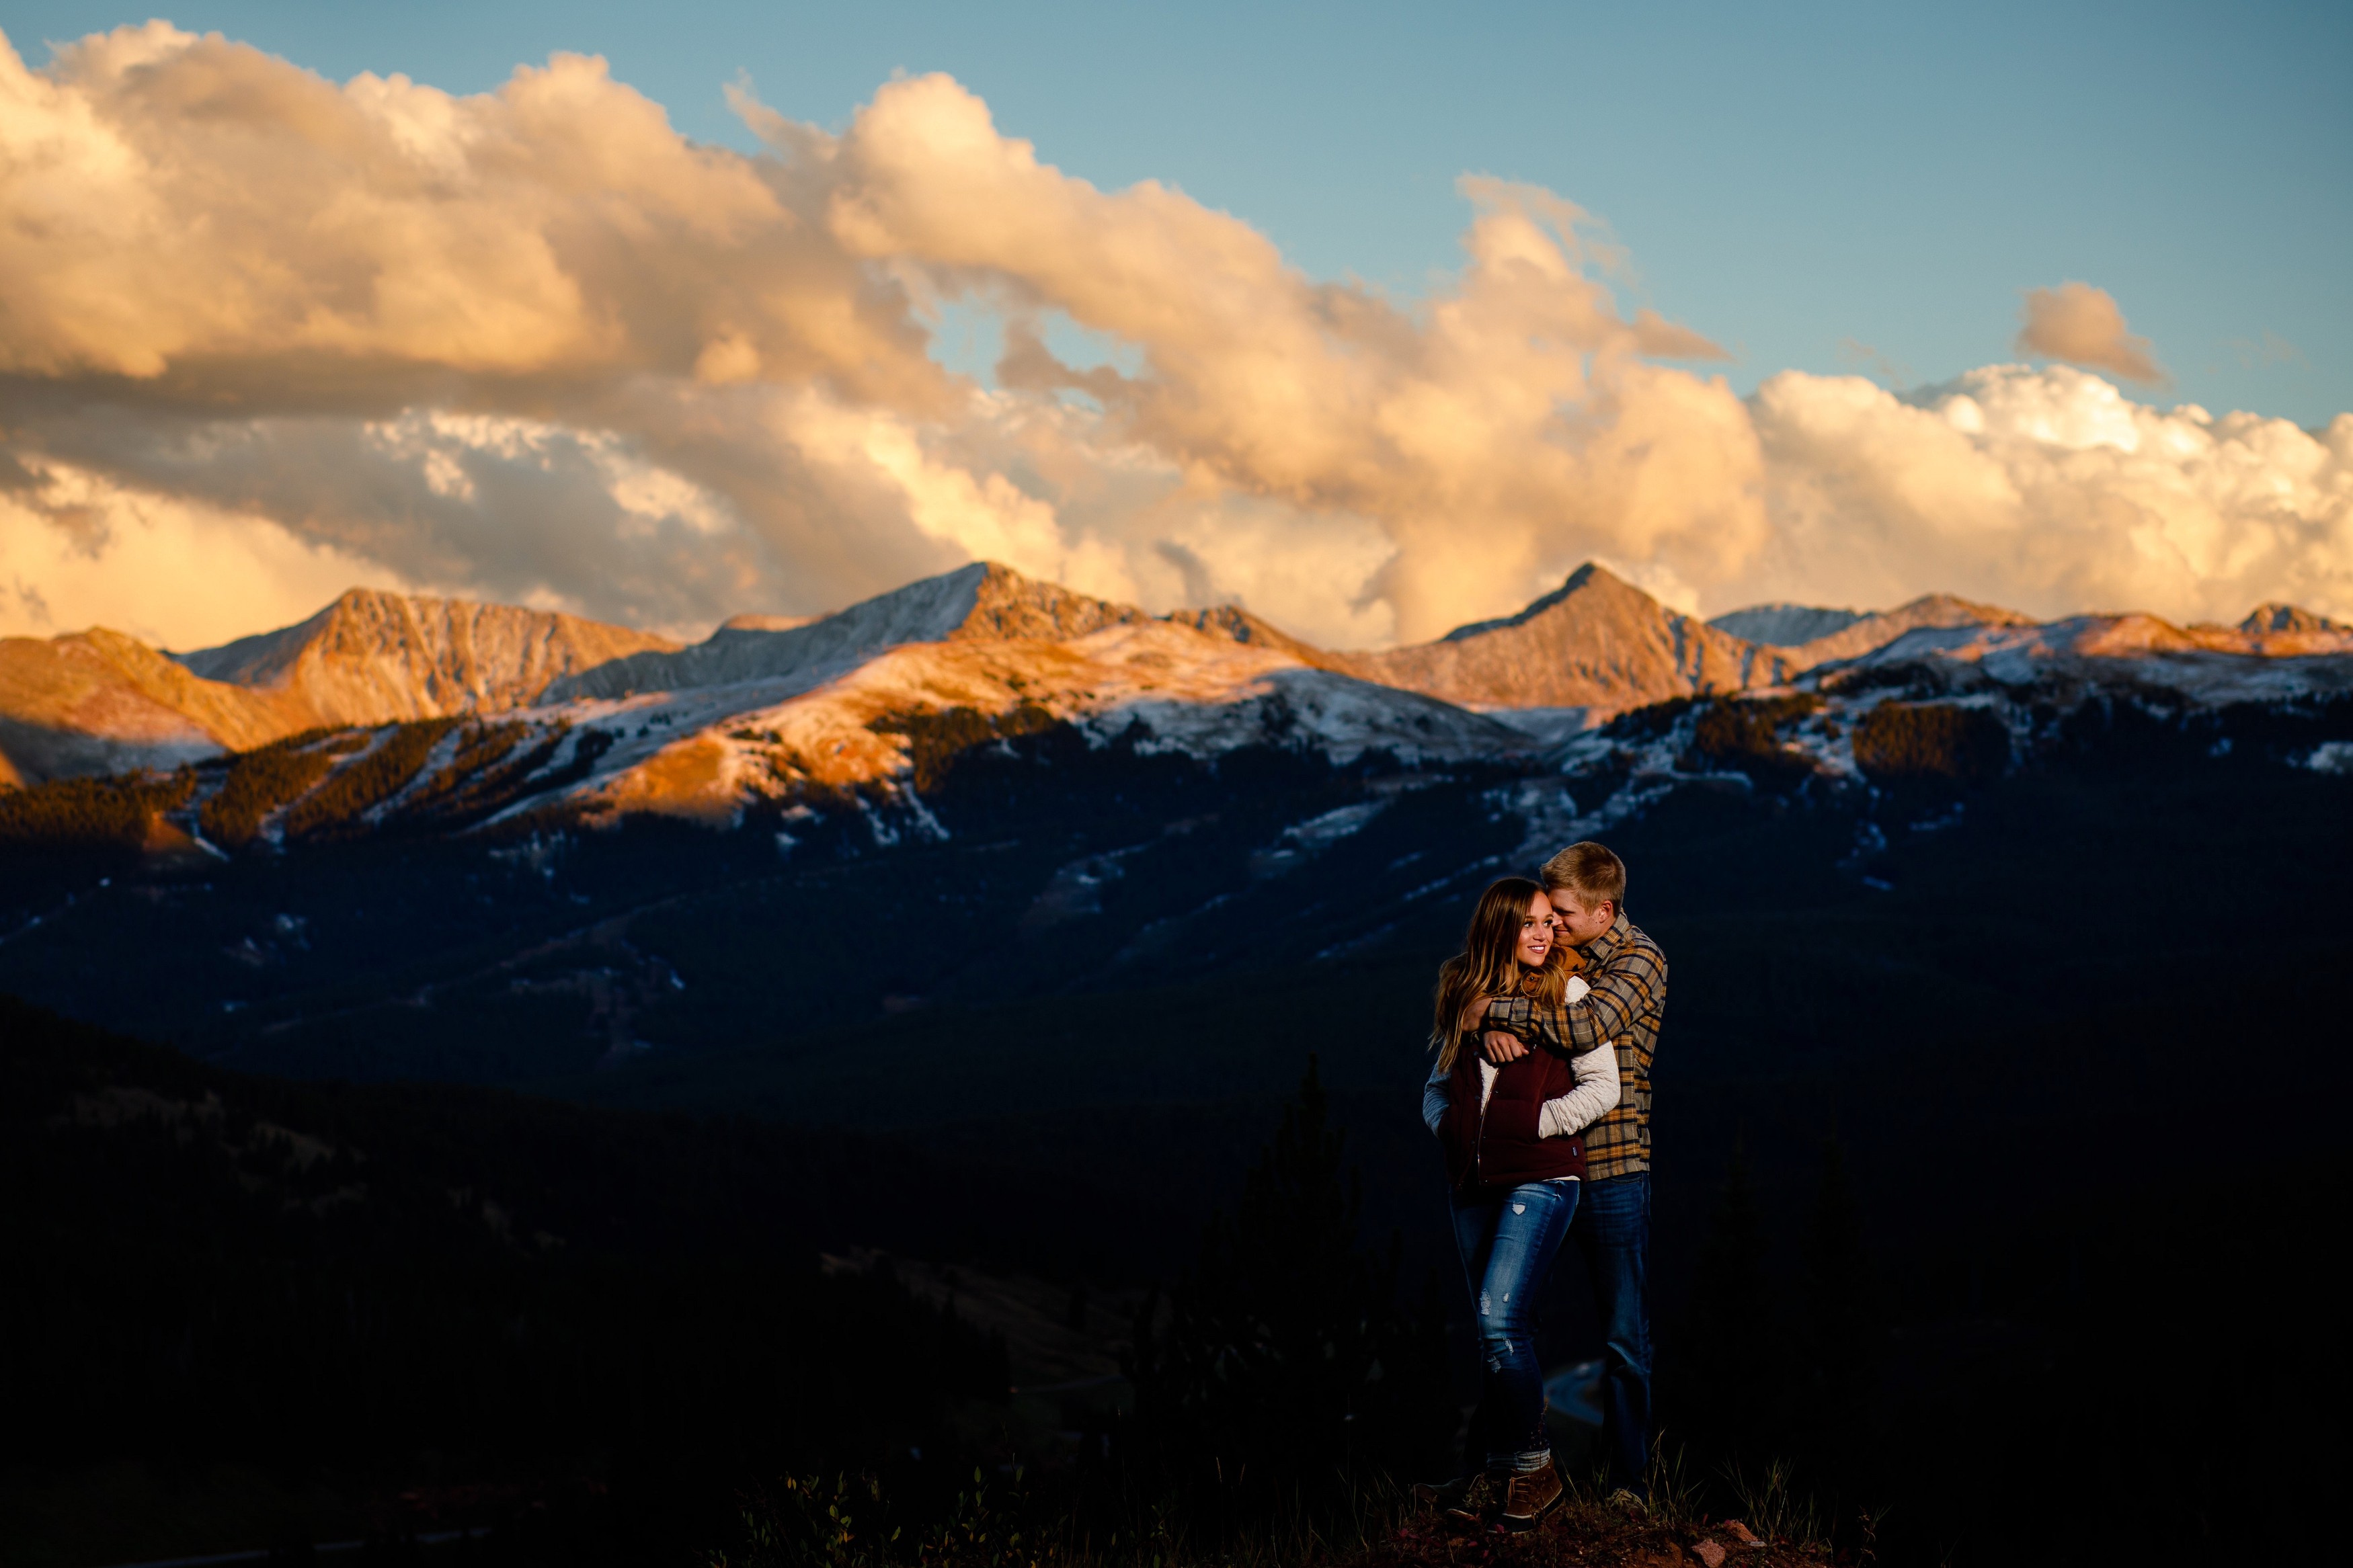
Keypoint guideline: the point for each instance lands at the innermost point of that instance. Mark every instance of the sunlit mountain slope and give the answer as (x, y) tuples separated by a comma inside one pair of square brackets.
[(372, 657)]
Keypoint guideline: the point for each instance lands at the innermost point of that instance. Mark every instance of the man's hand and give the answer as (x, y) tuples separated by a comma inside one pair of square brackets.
[(1502, 1048)]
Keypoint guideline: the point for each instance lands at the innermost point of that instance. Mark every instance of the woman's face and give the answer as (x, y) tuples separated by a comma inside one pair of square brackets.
[(1536, 932)]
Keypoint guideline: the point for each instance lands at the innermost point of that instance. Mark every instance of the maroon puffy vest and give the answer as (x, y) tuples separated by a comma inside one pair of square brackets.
[(1490, 1151)]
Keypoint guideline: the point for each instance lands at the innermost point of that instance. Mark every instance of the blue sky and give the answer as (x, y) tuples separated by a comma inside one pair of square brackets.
[(1792, 180)]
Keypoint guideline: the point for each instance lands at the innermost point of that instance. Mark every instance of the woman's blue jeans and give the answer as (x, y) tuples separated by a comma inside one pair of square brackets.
[(1508, 1247)]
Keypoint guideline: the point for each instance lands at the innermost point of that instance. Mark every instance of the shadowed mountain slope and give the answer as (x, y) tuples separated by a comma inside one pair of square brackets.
[(1785, 624)]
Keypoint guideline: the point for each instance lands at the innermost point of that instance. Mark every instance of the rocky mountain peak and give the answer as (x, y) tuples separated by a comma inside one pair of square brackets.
[(2278, 617), (1865, 634), (1595, 642), (375, 655), (981, 602), (1006, 604)]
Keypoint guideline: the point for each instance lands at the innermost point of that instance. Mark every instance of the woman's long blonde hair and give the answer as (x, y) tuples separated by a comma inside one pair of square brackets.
[(1489, 965)]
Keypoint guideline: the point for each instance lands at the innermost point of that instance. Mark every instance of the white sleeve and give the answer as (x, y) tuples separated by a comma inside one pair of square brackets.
[(1435, 1096), (1594, 1096)]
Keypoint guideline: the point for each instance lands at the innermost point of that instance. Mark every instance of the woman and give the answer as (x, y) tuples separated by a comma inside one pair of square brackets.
[(1513, 1162)]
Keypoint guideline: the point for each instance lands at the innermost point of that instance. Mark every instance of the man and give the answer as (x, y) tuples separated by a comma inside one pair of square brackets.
[(1586, 884)]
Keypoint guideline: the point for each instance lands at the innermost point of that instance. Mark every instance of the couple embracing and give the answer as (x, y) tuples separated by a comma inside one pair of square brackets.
[(1544, 1026)]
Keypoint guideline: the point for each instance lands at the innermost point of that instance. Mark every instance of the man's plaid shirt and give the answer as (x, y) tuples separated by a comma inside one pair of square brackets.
[(1628, 977)]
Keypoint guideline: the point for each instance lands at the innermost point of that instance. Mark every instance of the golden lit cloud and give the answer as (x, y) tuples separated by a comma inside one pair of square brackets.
[(2084, 325), (535, 345)]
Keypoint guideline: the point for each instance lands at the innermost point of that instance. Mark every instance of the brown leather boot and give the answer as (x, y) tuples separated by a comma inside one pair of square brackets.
[(1444, 1494), (1531, 1495), (1481, 1499)]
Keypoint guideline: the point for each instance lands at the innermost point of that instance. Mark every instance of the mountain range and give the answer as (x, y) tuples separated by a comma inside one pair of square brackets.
[(697, 728), (1059, 896)]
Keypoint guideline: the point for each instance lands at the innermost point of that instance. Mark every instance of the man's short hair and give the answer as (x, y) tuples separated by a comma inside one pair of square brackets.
[(1591, 872)]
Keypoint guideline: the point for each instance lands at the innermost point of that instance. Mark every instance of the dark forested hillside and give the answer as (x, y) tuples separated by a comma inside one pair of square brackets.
[(2070, 1023), (322, 1297)]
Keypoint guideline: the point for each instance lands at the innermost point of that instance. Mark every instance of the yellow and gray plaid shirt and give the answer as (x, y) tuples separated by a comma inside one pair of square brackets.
[(1628, 977)]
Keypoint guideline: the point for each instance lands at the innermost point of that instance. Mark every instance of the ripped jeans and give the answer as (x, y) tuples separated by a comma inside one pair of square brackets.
[(1508, 1247)]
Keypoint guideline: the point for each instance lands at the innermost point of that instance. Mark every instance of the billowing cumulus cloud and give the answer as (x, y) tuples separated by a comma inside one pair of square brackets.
[(2052, 491), (533, 346), (2084, 326)]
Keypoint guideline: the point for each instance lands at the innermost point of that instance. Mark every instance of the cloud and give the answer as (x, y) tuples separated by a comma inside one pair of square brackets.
[(2050, 491), (263, 335), (2083, 325), (175, 573), (2271, 349)]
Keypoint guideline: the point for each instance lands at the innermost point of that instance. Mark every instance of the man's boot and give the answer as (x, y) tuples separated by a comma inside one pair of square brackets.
[(1531, 1495), (1443, 1494), (1481, 1500)]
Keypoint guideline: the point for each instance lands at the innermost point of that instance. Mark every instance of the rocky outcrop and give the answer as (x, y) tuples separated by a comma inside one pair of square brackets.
[(1006, 604), (1597, 642), (372, 657), (1233, 622)]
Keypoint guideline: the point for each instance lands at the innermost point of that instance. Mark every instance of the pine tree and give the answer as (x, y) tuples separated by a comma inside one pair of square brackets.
[(1841, 1339), (1285, 1353), (1731, 1360)]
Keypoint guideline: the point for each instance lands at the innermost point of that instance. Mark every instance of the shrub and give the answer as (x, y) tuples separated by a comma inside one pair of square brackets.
[(1898, 741)]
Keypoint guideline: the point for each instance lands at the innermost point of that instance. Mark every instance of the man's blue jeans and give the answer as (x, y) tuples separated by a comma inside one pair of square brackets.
[(1508, 1247), (1612, 1229)]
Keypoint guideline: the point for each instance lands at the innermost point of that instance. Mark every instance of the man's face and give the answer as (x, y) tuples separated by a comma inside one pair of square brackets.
[(1578, 920)]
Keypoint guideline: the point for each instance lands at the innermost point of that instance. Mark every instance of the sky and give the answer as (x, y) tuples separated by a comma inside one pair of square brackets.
[(1377, 318)]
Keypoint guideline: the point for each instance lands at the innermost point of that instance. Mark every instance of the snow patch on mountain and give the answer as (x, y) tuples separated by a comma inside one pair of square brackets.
[(703, 751), (2210, 666), (2331, 757), (1337, 714)]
